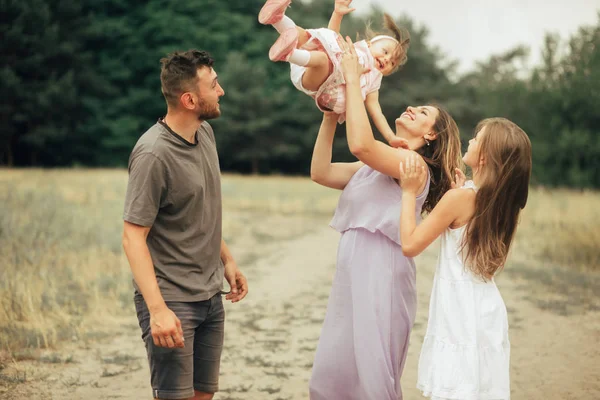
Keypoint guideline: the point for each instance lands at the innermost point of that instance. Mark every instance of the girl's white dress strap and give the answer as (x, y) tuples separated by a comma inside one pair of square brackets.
[(469, 185)]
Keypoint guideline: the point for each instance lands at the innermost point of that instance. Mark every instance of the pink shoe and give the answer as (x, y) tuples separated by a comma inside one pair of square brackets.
[(273, 11), (284, 46)]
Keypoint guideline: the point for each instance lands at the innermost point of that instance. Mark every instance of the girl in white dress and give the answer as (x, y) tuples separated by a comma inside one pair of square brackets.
[(466, 351)]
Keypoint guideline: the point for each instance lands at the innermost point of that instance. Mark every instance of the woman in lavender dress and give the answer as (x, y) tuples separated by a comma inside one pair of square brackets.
[(372, 305)]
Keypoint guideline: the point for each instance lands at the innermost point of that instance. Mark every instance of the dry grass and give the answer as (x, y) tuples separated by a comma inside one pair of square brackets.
[(63, 275), (561, 228), (61, 254)]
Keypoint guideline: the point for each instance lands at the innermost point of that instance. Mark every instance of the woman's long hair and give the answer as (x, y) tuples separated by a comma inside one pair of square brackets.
[(504, 187), (442, 155)]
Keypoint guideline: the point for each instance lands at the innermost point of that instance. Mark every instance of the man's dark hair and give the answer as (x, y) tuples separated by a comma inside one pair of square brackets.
[(178, 72)]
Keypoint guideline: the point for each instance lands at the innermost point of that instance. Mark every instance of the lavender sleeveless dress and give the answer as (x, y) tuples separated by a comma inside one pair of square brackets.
[(372, 305)]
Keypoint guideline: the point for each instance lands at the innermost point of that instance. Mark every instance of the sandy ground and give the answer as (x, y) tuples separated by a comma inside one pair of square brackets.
[(272, 335)]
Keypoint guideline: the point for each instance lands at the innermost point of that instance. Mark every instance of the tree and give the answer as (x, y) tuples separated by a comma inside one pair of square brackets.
[(43, 71)]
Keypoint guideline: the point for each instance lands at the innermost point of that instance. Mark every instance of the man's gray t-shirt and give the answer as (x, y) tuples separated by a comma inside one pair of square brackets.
[(175, 188)]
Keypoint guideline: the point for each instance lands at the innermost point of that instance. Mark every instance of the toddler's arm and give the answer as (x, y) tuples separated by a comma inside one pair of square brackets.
[(342, 7), (374, 110)]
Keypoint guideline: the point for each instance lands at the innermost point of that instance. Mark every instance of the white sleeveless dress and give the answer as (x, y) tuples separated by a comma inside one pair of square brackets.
[(466, 351)]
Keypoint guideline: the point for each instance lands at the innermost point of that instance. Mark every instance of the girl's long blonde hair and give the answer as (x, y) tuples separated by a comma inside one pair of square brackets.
[(504, 187)]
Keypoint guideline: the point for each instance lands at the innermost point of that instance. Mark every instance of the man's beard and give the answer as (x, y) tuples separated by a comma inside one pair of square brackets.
[(207, 111)]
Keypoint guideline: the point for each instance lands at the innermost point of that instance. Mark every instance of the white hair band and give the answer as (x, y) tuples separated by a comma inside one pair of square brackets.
[(379, 37)]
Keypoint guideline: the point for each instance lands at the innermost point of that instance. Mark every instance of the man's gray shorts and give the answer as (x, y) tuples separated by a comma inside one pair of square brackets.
[(175, 373)]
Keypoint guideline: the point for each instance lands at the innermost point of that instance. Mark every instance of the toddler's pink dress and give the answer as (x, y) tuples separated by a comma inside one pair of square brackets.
[(331, 96)]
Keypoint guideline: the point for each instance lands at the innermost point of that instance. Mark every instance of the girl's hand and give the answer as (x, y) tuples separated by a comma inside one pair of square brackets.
[(351, 67), (459, 179), (412, 175), (342, 7)]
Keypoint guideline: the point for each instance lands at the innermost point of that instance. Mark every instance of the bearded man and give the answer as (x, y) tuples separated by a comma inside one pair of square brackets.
[(172, 234)]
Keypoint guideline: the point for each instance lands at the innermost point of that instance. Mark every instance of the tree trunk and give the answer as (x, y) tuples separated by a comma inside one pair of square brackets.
[(255, 166)]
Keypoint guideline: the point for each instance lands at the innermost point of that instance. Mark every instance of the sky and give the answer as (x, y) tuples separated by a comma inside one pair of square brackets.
[(472, 30)]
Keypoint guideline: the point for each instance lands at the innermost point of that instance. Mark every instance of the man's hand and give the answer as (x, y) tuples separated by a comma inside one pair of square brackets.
[(166, 329), (237, 282), (342, 7)]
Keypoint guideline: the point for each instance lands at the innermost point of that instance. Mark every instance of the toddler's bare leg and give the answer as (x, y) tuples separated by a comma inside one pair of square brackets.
[(317, 71), (302, 37)]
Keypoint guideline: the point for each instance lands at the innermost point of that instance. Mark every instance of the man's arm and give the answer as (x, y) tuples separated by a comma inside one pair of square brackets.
[(237, 280), (226, 256), (140, 262), (342, 7), (164, 325)]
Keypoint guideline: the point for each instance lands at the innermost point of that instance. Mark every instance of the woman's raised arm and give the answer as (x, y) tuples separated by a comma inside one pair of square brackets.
[(322, 170), (361, 140)]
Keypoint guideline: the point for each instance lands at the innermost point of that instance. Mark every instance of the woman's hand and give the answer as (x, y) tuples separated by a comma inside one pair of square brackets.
[(329, 115), (330, 120), (351, 67), (412, 175)]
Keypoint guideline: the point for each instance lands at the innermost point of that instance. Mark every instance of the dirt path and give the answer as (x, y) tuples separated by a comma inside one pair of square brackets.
[(271, 336)]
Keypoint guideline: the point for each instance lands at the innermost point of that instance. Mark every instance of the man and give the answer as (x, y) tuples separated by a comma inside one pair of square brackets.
[(172, 234)]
